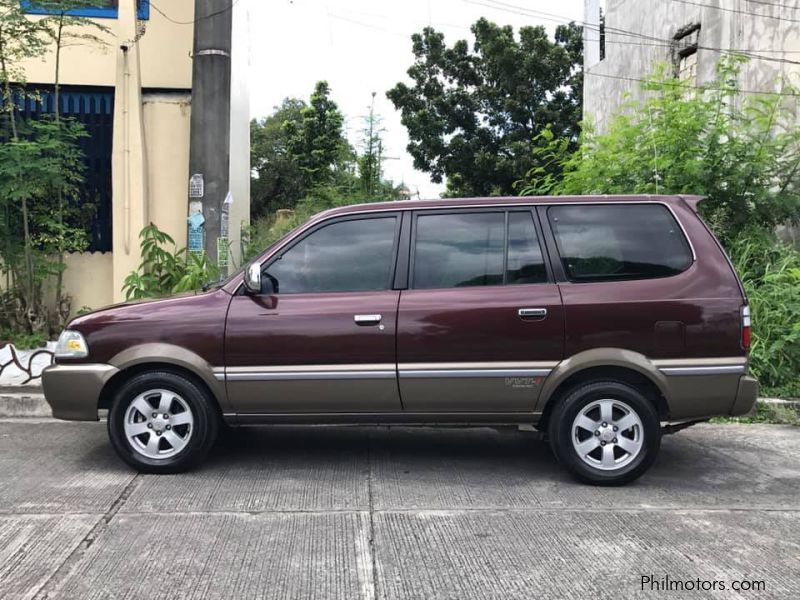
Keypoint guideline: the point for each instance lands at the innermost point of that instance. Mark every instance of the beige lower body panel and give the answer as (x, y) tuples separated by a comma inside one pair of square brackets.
[(472, 387), (314, 396), (701, 388), (701, 396), (468, 394)]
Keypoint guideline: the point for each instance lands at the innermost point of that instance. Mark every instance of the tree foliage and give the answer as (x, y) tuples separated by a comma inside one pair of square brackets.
[(316, 140), (278, 180), (300, 153), (474, 114), (41, 170)]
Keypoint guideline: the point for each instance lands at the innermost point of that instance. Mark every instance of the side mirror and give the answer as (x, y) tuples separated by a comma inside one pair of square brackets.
[(252, 279)]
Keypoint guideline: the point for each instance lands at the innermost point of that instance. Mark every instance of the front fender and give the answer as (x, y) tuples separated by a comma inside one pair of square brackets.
[(179, 356)]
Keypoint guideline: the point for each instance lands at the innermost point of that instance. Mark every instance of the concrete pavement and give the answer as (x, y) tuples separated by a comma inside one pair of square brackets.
[(394, 513)]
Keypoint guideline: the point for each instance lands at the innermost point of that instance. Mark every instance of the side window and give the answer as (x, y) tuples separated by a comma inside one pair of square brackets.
[(619, 241), (459, 250), (476, 249), (525, 263), (348, 256)]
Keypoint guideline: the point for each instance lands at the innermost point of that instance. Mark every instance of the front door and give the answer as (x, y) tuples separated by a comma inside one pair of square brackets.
[(482, 324), (324, 341)]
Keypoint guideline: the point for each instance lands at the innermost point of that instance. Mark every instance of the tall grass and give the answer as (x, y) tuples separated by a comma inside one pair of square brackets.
[(770, 272)]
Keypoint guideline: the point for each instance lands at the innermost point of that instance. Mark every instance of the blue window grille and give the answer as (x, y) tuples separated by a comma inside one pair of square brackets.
[(105, 9), (94, 108)]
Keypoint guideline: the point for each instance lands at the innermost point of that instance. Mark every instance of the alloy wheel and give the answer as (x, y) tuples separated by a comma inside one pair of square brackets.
[(158, 424), (607, 434)]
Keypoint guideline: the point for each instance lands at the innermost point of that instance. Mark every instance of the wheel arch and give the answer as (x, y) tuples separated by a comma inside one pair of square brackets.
[(165, 357), (604, 363)]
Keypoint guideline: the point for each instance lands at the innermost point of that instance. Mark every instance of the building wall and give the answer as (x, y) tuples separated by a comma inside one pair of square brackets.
[(166, 137), (148, 64), (87, 279), (612, 81), (165, 52)]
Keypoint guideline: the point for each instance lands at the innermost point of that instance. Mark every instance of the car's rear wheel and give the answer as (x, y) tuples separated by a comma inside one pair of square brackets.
[(605, 432), (162, 422)]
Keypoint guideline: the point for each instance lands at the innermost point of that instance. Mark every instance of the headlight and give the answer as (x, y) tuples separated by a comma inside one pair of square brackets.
[(71, 344)]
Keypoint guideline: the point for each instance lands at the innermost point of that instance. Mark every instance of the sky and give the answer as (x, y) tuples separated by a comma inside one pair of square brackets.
[(364, 46)]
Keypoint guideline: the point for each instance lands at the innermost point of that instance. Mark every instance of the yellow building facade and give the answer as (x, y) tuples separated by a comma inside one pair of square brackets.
[(144, 63)]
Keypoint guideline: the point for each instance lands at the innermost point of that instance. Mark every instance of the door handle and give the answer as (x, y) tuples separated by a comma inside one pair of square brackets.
[(532, 313), (367, 319)]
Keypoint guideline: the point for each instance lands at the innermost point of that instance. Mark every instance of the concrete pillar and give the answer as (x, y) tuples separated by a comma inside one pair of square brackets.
[(128, 164), (239, 212), (591, 33)]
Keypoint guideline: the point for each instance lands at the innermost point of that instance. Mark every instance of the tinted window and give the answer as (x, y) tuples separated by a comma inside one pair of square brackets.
[(459, 249), (525, 263), (349, 256), (620, 241)]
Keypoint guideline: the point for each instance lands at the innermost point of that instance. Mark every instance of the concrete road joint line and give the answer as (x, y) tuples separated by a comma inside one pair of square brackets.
[(64, 570), (372, 593), (445, 511)]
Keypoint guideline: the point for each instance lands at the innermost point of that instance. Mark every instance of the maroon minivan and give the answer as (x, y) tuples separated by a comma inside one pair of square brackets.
[(602, 321)]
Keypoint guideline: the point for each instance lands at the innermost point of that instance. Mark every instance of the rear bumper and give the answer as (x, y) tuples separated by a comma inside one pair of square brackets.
[(746, 396), (73, 391)]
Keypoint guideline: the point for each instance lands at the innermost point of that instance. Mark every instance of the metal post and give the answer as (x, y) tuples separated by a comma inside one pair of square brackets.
[(210, 133)]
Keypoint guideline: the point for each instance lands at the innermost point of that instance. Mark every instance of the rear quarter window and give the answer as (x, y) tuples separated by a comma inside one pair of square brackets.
[(613, 242)]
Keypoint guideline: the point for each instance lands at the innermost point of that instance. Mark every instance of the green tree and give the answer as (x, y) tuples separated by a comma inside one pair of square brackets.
[(370, 167), (40, 169), (316, 140), (473, 115), (278, 181), (65, 30)]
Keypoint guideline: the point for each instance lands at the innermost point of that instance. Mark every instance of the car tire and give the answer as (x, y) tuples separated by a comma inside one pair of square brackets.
[(162, 422), (600, 449)]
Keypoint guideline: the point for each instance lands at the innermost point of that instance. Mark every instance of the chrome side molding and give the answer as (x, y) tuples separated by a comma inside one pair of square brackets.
[(708, 370)]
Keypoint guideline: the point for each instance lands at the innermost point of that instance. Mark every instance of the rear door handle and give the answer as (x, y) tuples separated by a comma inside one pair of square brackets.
[(532, 313), (367, 319)]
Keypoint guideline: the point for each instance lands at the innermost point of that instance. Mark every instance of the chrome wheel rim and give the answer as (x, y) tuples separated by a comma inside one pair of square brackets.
[(158, 424), (607, 434)]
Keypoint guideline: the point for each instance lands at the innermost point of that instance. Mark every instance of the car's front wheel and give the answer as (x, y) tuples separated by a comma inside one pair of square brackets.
[(605, 432), (162, 422)]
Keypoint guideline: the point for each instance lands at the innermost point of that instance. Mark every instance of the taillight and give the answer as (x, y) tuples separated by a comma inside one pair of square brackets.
[(746, 327)]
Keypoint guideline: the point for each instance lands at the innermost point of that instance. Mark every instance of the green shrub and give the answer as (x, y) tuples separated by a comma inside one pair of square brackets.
[(22, 341), (164, 271)]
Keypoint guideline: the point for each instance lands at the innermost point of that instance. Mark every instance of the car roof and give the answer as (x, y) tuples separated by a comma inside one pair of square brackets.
[(443, 203)]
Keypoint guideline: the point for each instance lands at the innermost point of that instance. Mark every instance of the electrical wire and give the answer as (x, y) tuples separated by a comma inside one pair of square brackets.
[(193, 21), (696, 87), (773, 4)]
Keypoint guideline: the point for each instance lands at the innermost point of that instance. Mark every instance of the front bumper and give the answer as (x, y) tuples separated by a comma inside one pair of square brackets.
[(746, 396), (73, 391)]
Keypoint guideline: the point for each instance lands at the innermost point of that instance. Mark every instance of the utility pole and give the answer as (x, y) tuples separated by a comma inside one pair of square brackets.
[(209, 163)]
